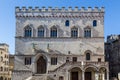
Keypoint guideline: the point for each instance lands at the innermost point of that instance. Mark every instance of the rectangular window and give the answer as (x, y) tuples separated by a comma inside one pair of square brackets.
[(99, 59), (27, 60), (67, 59), (74, 59), (54, 61)]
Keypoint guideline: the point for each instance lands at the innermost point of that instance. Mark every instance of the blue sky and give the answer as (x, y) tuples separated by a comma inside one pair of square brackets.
[(7, 15)]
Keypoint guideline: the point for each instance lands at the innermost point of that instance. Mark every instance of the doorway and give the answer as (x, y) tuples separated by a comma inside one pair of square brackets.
[(88, 76), (74, 75), (41, 65)]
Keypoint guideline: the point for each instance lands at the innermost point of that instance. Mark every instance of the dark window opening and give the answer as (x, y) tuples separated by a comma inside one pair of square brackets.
[(87, 56), (28, 32), (1, 68), (27, 60), (67, 23), (61, 78), (94, 23), (54, 61), (99, 59), (74, 59), (67, 59)]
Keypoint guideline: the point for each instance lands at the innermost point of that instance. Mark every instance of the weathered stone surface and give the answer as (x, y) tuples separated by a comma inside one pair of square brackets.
[(63, 47)]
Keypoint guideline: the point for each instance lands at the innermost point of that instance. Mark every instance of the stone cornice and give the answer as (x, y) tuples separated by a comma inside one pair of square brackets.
[(56, 38), (56, 9), (60, 13)]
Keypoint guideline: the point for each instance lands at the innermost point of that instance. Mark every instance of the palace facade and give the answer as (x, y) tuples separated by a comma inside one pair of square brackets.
[(4, 62), (60, 44)]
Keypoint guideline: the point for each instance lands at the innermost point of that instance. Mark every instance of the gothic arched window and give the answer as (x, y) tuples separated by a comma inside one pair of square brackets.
[(94, 23), (74, 32), (67, 23), (87, 56), (41, 32), (87, 32), (53, 32), (28, 31)]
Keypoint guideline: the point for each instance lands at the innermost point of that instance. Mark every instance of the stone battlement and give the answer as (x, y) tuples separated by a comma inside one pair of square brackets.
[(61, 13), (63, 9)]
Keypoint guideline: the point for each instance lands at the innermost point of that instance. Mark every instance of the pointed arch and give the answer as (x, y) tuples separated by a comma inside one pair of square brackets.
[(87, 32), (41, 31), (41, 65), (28, 31), (74, 32), (53, 32), (40, 59)]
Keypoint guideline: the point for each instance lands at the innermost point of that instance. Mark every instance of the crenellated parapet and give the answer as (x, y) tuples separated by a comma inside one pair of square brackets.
[(59, 12), (63, 9)]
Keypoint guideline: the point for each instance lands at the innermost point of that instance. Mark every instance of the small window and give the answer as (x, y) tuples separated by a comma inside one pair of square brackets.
[(87, 33), (1, 58), (1, 52), (67, 23), (94, 23), (27, 60), (99, 59), (67, 59), (40, 32), (87, 56), (1, 68), (28, 31), (74, 32), (74, 59), (54, 61), (5, 55), (53, 32)]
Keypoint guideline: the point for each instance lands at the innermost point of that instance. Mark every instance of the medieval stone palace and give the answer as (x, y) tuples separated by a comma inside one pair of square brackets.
[(60, 44)]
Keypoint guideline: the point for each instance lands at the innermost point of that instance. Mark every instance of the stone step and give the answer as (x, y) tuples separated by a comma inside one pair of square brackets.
[(38, 77)]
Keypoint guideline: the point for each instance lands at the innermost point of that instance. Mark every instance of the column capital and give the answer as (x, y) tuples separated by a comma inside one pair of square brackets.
[(83, 70)]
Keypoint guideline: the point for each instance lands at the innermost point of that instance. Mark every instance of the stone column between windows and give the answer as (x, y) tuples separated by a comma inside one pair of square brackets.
[(96, 75), (34, 67), (107, 75), (69, 75), (83, 75), (103, 76)]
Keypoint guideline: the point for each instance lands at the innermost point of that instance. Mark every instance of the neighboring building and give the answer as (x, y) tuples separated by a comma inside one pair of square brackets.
[(112, 51), (11, 64), (60, 44), (4, 62)]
